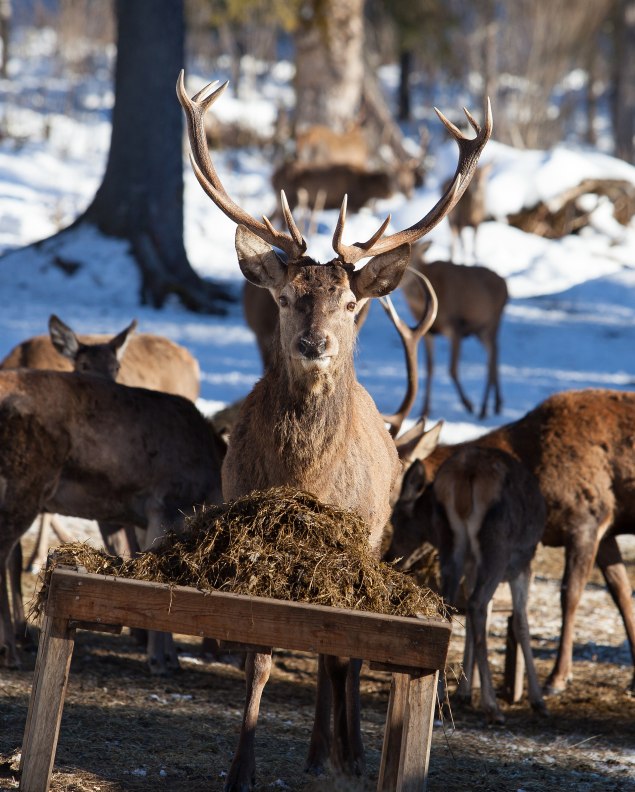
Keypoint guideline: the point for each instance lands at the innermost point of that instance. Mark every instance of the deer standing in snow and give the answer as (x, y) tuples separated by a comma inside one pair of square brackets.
[(485, 514), (308, 423), (471, 302)]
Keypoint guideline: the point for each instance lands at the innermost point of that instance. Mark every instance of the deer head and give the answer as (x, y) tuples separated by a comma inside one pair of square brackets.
[(101, 360), (319, 302)]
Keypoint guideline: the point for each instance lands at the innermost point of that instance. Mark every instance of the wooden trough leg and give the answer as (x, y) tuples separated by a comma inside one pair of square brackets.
[(57, 640), (408, 732), (514, 676)]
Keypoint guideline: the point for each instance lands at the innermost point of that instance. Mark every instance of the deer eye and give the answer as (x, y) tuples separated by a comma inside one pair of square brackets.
[(351, 306), (283, 301)]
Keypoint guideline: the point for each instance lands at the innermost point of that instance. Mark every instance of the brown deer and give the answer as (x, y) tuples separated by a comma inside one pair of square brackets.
[(485, 513), (470, 213), (146, 360), (82, 446), (580, 447), (471, 302), (142, 360), (308, 423)]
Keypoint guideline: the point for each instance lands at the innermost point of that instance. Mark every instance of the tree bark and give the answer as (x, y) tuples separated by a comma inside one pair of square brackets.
[(624, 79), (329, 63), (141, 196)]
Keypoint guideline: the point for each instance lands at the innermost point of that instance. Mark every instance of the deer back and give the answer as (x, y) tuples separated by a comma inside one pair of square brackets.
[(471, 298), (579, 446), (150, 361), (111, 453)]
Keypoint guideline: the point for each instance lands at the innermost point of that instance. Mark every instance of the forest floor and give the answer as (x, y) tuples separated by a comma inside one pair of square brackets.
[(123, 729)]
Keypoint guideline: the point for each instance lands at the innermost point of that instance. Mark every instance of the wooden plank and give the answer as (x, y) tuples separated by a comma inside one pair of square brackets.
[(417, 732), (46, 704), (409, 642), (393, 732)]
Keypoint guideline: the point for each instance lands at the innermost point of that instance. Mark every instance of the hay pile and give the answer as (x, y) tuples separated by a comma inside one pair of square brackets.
[(278, 543)]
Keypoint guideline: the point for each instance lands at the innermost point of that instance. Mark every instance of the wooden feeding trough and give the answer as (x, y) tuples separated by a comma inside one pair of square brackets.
[(414, 650)]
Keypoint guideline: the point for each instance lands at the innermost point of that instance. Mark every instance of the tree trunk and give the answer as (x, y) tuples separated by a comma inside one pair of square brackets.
[(141, 196), (624, 77), (5, 31), (329, 63), (405, 68)]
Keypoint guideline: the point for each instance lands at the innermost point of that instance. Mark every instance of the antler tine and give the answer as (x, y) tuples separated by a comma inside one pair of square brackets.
[(350, 253), (292, 244), (410, 338), (291, 225), (470, 150)]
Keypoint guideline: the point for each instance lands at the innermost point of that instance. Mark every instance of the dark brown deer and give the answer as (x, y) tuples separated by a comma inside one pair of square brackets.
[(141, 360), (471, 302), (470, 213), (79, 445), (580, 447), (485, 513), (308, 423)]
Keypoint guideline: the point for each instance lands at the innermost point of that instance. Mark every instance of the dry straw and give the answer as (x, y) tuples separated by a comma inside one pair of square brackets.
[(278, 543)]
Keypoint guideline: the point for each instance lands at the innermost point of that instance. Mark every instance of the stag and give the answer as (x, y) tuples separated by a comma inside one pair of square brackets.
[(485, 513), (82, 446), (471, 302), (308, 423), (579, 446), (470, 213)]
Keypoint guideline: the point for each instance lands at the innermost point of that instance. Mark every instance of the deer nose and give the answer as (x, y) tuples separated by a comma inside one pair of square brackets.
[(312, 347)]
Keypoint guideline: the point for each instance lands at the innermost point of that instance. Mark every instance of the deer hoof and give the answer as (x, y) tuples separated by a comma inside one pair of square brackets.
[(553, 687), (495, 718), (540, 708)]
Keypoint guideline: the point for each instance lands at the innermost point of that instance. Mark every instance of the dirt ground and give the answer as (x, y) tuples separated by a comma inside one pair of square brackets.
[(125, 730)]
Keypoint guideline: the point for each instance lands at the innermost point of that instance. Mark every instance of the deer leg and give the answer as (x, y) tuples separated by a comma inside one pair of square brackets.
[(119, 540), (353, 718), (337, 669), (320, 745), (242, 774), (8, 649), (162, 656), (520, 594), (40, 550), (490, 345), (487, 579), (455, 349), (429, 353), (579, 556), (14, 569), (609, 559)]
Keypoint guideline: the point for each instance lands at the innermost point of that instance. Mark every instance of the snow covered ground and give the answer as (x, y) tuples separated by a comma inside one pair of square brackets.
[(570, 322)]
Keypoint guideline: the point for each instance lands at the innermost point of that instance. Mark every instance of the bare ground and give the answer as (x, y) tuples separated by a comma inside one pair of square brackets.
[(125, 730)]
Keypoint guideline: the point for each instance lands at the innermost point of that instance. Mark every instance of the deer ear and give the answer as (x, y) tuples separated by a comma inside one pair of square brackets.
[(63, 338), (120, 341), (414, 482), (258, 261), (382, 274)]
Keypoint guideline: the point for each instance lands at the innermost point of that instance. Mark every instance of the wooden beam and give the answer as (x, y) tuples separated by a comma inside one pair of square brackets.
[(46, 704), (103, 599), (417, 732)]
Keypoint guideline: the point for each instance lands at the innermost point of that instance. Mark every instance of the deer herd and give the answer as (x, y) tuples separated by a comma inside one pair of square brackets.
[(107, 429)]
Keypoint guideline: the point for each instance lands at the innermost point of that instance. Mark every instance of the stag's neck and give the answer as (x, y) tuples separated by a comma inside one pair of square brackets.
[(312, 415)]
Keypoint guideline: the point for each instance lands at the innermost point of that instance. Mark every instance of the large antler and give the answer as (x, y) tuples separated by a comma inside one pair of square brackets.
[(410, 337), (469, 151), (195, 108)]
